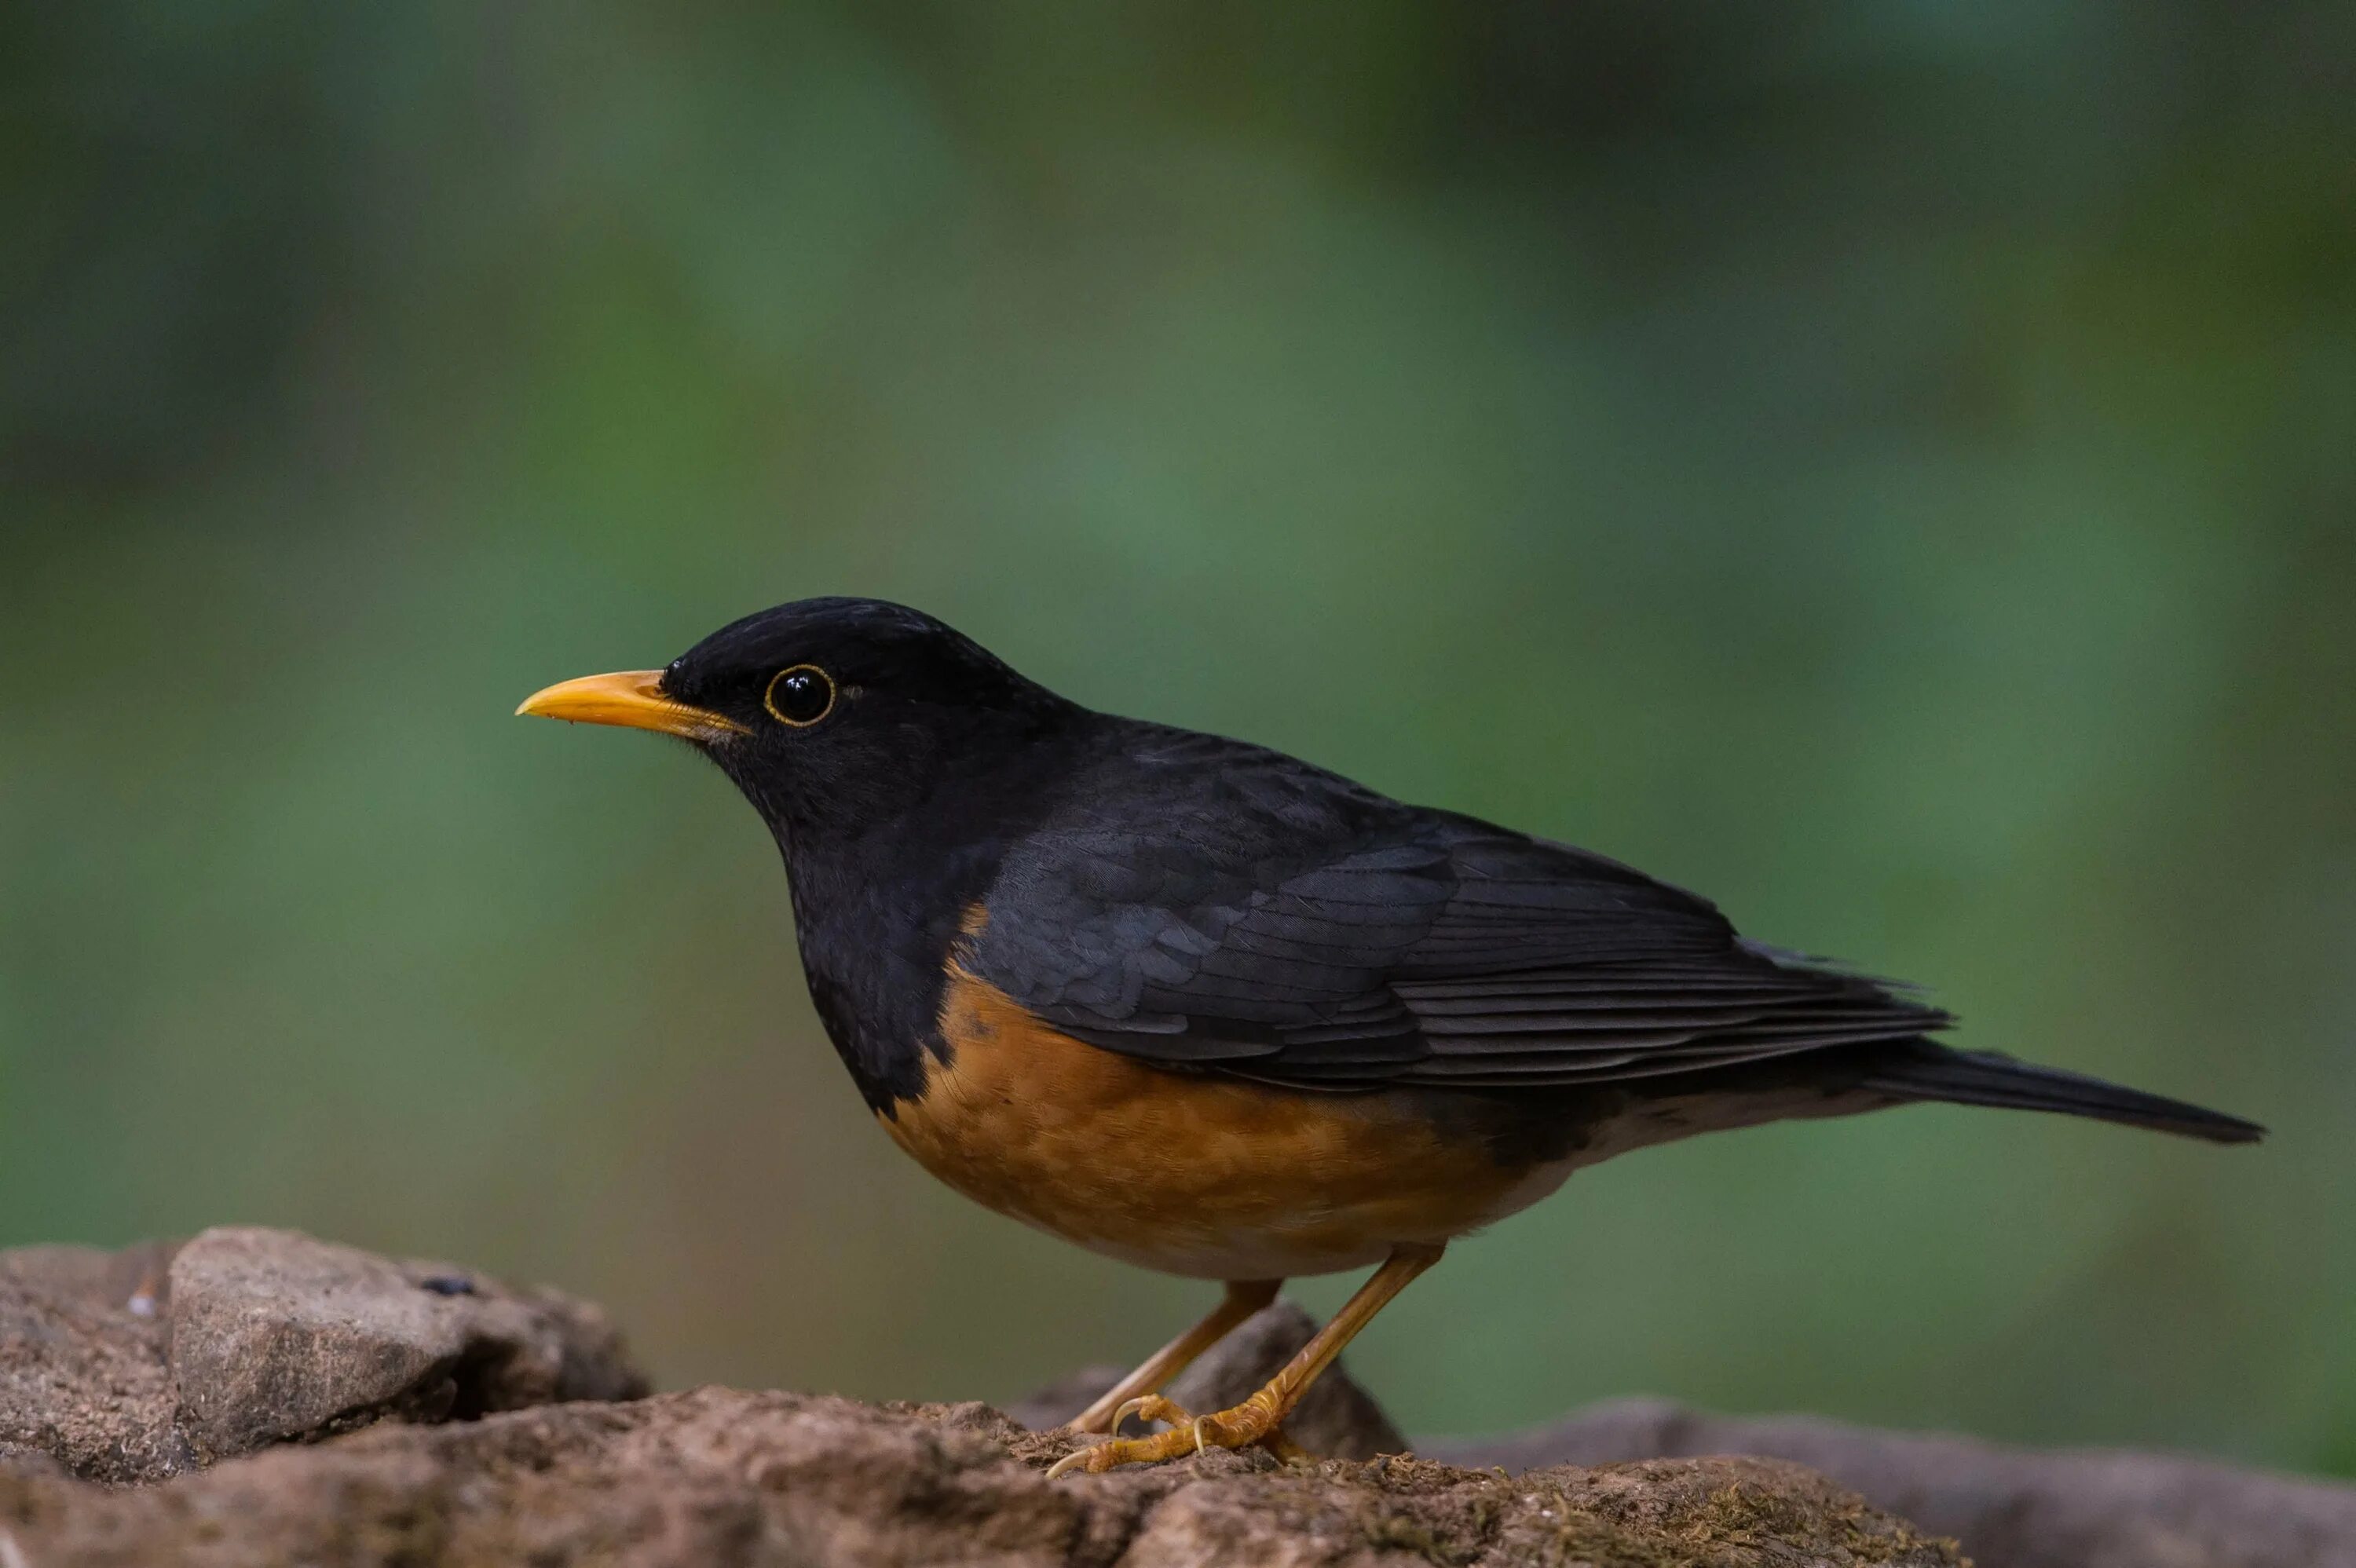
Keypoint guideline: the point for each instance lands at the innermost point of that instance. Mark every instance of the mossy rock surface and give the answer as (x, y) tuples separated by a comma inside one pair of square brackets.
[(721, 1477), (258, 1397)]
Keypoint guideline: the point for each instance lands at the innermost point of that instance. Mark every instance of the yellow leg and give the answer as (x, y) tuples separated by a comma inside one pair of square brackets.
[(1257, 1417), (1244, 1297)]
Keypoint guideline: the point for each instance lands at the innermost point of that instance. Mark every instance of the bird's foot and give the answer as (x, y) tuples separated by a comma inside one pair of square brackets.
[(1254, 1421)]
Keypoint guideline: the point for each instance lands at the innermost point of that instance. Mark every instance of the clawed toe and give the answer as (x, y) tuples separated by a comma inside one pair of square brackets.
[(1150, 1408), (1246, 1425), (1259, 1418)]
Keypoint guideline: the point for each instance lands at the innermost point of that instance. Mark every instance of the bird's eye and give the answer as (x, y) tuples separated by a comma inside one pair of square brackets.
[(800, 696)]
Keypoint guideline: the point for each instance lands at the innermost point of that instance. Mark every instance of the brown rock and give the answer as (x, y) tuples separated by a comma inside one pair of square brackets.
[(277, 1336), (83, 1378), (2010, 1508), (717, 1478), (139, 1365)]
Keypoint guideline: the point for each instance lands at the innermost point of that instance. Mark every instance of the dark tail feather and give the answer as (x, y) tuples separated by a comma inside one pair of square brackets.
[(1919, 1070)]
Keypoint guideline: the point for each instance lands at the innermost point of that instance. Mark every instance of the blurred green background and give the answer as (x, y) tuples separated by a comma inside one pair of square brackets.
[(1886, 466)]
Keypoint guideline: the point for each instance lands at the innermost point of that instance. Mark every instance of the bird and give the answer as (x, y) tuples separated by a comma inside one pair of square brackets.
[(1201, 1007)]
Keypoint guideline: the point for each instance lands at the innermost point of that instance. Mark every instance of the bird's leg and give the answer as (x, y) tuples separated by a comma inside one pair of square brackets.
[(1254, 1419), (1244, 1297)]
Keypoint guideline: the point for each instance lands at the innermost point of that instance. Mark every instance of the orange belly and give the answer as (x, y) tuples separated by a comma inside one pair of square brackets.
[(1202, 1176)]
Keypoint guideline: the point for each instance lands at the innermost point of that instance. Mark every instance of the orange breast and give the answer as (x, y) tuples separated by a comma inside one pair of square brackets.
[(1194, 1174)]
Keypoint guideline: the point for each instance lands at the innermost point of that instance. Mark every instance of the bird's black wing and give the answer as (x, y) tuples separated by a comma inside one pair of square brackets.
[(1208, 904)]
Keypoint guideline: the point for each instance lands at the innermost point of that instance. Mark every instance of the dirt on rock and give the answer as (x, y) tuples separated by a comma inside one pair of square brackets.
[(258, 1398), (306, 1403), (720, 1479), (2011, 1508)]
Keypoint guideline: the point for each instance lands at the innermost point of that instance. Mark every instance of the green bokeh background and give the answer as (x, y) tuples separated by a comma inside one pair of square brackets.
[(1886, 466)]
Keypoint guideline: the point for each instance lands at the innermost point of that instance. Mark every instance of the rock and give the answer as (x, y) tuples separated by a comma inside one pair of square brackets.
[(502, 1426), (2009, 1508), (277, 1336), (1337, 1419), (744, 1480), (84, 1379), (141, 1364), (2012, 1508)]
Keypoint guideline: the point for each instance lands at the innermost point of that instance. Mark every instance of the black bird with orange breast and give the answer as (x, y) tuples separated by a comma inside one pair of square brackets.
[(1201, 1007)]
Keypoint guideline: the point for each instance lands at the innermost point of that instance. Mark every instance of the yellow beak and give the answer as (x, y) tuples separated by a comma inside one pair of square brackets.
[(633, 698)]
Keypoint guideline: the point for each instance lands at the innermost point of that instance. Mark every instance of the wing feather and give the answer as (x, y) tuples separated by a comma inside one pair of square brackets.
[(1283, 925)]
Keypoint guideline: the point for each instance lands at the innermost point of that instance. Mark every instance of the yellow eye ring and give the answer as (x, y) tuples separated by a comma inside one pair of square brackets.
[(795, 709)]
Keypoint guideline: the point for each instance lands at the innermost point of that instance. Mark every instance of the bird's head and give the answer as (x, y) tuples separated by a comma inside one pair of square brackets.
[(829, 714)]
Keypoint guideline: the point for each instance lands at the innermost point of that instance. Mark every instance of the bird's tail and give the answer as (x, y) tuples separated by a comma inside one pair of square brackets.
[(1922, 1070)]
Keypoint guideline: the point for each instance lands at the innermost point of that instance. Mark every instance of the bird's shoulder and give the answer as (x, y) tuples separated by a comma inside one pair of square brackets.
[(1183, 874), (1210, 905)]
